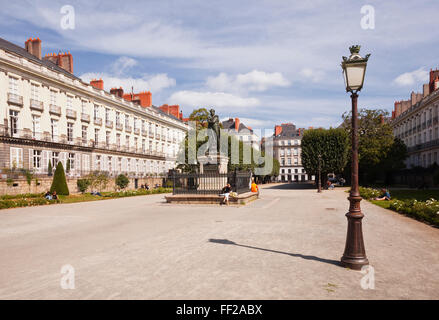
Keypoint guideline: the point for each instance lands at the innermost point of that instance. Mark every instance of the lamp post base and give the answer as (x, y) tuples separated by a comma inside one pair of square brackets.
[(354, 256)]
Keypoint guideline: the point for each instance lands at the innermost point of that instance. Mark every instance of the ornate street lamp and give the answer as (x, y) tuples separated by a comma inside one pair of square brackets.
[(354, 257)]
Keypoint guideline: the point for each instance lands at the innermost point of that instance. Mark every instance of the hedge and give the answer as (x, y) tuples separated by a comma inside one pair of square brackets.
[(16, 203)]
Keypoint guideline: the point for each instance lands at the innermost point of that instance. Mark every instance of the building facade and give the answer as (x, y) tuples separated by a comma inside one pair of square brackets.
[(50, 115), (241, 131), (415, 122), (286, 147)]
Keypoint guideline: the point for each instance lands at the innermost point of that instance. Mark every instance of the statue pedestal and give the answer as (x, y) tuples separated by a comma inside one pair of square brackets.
[(213, 171), (216, 163)]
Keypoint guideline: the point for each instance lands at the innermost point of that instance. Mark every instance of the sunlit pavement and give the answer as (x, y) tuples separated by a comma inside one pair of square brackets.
[(286, 245)]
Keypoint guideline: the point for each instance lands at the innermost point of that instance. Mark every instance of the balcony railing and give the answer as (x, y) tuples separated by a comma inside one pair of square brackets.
[(109, 124), (144, 133), (136, 130), (119, 126), (79, 141), (85, 117), (15, 99), (53, 109), (98, 121), (71, 114), (163, 137), (36, 105), (151, 135), (128, 129)]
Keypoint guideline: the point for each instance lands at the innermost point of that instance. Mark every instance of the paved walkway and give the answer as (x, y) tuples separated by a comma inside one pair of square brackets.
[(284, 246)]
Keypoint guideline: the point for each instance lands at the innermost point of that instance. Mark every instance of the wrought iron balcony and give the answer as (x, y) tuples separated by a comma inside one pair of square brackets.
[(70, 113), (151, 135), (144, 133), (54, 109), (128, 129), (136, 130), (85, 117), (119, 126), (109, 124), (36, 105), (15, 99)]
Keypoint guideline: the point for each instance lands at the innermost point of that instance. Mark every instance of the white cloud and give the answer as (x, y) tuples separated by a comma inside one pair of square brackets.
[(123, 64), (411, 78), (153, 83), (313, 75), (251, 81), (211, 99)]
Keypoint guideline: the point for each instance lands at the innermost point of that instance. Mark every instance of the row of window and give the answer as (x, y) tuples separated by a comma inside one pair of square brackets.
[(36, 132), (78, 162), (138, 124), (291, 170), (289, 161), (288, 152)]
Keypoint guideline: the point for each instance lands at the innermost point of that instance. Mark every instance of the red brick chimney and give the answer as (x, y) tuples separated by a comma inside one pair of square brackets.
[(434, 74), (236, 124), (143, 98), (62, 60), (117, 92), (277, 130), (33, 46), (98, 84)]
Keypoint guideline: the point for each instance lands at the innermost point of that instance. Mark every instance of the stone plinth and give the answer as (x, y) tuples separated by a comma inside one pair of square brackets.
[(216, 163)]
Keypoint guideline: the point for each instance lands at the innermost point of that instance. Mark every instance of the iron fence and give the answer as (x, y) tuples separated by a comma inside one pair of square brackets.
[(210, 183)]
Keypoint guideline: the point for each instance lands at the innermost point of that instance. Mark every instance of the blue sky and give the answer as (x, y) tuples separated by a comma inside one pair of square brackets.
[(266, 62)]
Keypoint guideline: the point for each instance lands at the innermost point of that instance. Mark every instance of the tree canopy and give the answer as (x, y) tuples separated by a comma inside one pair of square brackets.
[(332, 145), (380, 153)]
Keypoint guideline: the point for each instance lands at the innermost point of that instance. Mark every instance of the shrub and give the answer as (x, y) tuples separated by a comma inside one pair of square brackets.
[(122, 181), (369, 193), (49, 168), (59, 183), (83, 184)]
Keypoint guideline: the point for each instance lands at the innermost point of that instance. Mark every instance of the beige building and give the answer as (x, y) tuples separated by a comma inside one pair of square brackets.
[(286, 146), (50, 115), (415, 122), (241, 131)]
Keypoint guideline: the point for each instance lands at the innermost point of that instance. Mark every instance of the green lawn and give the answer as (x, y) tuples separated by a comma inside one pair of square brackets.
[(25, 200), (420, 195)]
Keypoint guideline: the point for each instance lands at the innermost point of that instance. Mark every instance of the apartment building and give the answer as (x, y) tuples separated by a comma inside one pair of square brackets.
[(241, 131), (415, 121), (50, 115), (286, 147)]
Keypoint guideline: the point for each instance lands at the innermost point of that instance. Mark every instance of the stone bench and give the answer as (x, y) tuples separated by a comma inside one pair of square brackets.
[(243, 198)]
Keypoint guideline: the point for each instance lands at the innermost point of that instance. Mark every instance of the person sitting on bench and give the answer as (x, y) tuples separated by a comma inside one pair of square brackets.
[(225, 192)]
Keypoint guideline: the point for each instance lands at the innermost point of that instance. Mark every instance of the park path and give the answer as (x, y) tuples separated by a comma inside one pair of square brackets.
[(286, 245)]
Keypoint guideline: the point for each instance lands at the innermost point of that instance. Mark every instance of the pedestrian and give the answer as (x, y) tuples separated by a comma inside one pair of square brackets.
[(225, 192), (384, 196)]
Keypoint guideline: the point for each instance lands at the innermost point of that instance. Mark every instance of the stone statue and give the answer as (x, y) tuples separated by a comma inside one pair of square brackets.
[(213, 124)]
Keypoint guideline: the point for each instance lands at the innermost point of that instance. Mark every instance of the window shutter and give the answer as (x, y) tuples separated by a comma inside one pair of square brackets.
[(31, 153), (77, 163)]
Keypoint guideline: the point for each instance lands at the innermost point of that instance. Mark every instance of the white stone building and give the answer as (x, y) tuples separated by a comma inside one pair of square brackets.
[(48, 114), (415, 122)]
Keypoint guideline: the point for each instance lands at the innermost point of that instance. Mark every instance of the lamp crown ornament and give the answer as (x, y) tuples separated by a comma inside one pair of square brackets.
[(355, 49)]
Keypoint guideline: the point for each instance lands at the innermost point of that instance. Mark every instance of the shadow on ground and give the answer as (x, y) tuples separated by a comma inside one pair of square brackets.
[(293, 186), (297, 255)]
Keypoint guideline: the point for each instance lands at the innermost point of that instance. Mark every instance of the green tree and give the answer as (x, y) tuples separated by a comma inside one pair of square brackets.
[(59, 182), (380, 153), (200, 116), (327, 148), (122, 181)]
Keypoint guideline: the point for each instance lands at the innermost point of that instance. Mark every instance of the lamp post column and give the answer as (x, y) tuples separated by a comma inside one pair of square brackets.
[(354, 256), (319, 186)]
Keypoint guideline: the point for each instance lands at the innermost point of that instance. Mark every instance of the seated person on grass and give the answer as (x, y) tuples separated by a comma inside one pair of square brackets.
[(384, 196)]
